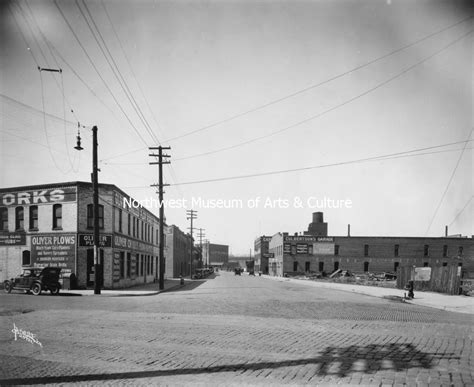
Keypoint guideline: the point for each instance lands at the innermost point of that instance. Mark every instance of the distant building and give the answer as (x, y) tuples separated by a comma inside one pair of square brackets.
[(178, 252), (307, 252), (214, 254), (52, 225), (262, 254)]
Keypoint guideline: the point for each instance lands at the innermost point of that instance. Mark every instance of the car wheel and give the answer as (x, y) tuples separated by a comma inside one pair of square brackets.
[(36, 289), (54, 291), (8, 287)]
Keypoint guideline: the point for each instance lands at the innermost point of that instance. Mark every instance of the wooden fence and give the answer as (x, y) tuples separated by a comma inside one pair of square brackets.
[(442, 279)]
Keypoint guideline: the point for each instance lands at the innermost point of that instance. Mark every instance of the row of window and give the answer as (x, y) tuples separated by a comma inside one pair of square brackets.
[(57, 221), (143, 264), (307, 266), (396, 250), (137, 228)]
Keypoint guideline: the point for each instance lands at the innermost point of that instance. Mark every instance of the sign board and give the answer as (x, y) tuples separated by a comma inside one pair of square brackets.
[(55, 195), (422, 273), (302, 238), (13, 239), (54, 250), (268, 255), (302, 248), (116, 267), (325, 239), (323, 248), (121, 242), (286, 248), (87, 240)]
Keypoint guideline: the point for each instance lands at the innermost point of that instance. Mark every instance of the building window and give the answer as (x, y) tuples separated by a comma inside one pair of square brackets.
[(128, 224), (19, 218), (396, 250), (3, 219), (307, 266), (445, 263), (321, 266), (129, 264), (26, 258), (33, 217), (366, 251), (445, 250), (295, 266), (122, 264), (426, 250), (133, 228), (366, 266), (395, 266), (90, 216), (151, 263), (142, 266), (425, 264), (120, 220), (460, 250), (57, 217), (336, 249)]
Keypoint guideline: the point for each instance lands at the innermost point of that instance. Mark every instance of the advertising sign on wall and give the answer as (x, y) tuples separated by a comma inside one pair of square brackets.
[(302, 248), (422, 273), (323, 248), (58, 250), (86, 240), (56, 195), (13, 239)]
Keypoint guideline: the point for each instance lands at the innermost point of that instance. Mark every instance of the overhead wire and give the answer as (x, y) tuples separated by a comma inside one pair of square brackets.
[(448, 184), (348, 101), (409, 153), (311, 87), (460, 212)]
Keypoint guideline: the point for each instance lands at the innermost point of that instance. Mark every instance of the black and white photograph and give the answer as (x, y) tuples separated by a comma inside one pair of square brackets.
[(236, 193)]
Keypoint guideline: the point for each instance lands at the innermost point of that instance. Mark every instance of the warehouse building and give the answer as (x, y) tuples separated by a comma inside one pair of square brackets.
[(262, 253), (215, 255), (178, 252), (52, 225), (315, 251)]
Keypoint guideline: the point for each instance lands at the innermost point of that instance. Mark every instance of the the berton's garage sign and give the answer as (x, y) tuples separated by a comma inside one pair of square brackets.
[(42, 196)]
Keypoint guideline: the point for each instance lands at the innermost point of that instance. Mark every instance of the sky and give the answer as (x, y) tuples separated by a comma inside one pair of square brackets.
[(239, 88)]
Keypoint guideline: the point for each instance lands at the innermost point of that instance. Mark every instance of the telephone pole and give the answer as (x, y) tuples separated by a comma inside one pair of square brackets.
[(160, 186), (95, 185), (200, 236), (191, 215)]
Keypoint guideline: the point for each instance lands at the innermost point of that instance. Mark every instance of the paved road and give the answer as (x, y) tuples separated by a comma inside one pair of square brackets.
[(233, 330)]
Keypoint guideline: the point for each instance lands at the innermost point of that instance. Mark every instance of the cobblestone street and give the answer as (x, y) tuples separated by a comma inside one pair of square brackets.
[(234, 330)]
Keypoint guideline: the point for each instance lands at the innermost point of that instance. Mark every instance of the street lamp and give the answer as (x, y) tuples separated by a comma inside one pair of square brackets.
[(95, 186)]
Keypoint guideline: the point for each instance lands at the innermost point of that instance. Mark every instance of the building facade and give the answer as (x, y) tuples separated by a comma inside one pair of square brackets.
[(306, 253), (52, 225), (262, 253), (214, 254), (178, 252)]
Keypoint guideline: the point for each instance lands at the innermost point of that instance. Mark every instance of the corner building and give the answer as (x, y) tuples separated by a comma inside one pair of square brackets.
[(52, 225)]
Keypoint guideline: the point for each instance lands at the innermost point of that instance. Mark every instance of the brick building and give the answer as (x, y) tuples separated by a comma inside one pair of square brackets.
[(178, 251), (214, 254), (261, 253), (304, 252), (52, 225)]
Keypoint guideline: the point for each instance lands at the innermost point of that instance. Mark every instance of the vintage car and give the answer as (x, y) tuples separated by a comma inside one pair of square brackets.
[(35, 280)]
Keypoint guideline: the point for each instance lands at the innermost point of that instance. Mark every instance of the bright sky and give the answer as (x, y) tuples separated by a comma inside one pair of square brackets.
[(245, 88)]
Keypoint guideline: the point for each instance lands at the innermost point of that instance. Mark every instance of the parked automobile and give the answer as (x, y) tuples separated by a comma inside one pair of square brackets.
[(237, 271), (35, 280)]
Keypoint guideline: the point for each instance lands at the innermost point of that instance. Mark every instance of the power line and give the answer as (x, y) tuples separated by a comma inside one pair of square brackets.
[(449, 183), (460, 212), (306, 120), (373, 158), (273, 102), (98, 72)]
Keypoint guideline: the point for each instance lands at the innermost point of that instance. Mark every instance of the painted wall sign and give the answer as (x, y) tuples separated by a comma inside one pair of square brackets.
[(301, 248), (13, 239), (422, 273), (58, 250), (286, 248), (56, 195), (116, 267), (325, 239), (88, 240), (305, 238), (121, 242), (323, 248)]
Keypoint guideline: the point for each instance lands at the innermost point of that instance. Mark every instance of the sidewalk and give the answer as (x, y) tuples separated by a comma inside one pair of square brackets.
[(460, 304), (150, 289)]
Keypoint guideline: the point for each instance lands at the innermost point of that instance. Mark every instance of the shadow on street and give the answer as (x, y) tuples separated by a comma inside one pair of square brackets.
[(337, 361)]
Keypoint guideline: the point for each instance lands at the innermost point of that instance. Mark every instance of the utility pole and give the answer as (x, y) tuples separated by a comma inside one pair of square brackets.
[(201, 234), (160, 185), (206, 242), (95, 200), (95, 185), (191, 215)]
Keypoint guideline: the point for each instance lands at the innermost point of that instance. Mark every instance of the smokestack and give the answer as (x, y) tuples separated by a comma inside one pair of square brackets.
[(446, 231), (348, 230)]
